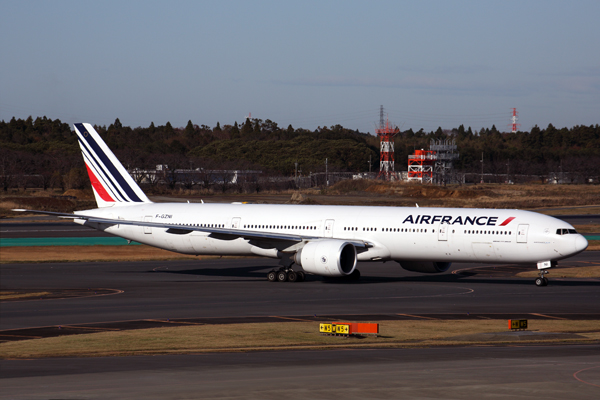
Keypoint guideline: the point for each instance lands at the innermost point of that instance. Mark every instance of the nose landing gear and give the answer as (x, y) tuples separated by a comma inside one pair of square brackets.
[(542, 280)]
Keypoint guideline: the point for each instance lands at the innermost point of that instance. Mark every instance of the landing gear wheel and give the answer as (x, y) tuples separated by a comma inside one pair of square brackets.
[(539, 282), (272, 276), (282, 276), (292, 276), (301, 276)]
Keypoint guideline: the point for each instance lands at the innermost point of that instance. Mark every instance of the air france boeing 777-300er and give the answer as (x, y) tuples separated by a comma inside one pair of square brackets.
[(322, 240)]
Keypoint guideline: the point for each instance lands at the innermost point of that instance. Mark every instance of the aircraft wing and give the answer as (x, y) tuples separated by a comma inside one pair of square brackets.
[(217, 233)]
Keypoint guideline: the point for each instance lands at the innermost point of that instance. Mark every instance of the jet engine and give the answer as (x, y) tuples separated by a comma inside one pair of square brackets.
[(426, 267), (327, 258)]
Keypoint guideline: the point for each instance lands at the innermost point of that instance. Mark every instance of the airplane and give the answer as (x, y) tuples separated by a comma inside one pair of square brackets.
[(323, 240)]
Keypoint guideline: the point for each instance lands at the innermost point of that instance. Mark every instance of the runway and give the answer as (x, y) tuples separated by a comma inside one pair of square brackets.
[(558, 372), (237, 288)]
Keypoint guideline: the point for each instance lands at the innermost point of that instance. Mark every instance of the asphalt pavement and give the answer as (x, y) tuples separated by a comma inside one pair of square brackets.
[(237, 288)]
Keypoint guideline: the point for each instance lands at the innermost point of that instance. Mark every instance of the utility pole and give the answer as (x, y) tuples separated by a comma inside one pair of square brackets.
[(507, 170), (482, 167), (326, 174), (561, 178), (369, 165), (296, 174)]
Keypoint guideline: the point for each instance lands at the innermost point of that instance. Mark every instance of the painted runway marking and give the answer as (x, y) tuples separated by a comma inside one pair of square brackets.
[(167, 321), (417, 316), (91, 328), (581, 380), (292, 319), (548, 316)]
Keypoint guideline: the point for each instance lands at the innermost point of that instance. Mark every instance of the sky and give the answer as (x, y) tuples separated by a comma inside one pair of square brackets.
[(430, 63)]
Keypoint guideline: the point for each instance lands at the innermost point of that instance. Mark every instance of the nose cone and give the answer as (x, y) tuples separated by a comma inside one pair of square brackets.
[(580, 243)]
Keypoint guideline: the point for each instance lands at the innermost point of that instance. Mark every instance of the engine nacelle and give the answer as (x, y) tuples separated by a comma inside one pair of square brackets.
[(327, 258), (426, 267)]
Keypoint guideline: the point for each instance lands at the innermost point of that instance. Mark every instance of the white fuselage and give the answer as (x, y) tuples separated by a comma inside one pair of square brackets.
[(395, 233)]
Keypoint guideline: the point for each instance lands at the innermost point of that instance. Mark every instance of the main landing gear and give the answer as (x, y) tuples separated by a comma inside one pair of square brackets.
[(289, 275), (285, 275), (542, 280)]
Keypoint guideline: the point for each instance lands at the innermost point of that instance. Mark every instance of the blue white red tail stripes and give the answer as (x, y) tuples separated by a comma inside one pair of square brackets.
[(111, 182)]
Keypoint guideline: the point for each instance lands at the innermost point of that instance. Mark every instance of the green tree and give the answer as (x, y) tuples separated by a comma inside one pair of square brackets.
[(246, 128), (235, 131), (189, 131)]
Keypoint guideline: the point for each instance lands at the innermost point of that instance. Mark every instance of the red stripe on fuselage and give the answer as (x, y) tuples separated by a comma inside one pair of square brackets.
[(98, 186), (507, 221)]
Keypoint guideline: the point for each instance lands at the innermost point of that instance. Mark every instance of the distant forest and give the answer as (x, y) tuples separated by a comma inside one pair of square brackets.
[(47, 149)]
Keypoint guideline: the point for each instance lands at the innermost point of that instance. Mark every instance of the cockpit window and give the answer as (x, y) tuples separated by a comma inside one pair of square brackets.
[(565, 231)]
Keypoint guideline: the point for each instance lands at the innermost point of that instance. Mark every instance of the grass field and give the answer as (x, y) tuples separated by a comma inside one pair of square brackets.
[(88, 253), (43, 254), (9, 295), (294, 335), (552, 199), (558, 272), (290, 336)]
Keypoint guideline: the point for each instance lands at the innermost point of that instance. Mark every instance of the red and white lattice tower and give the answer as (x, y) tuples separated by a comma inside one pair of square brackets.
[(514, 119), (420, 166), (386, 134)]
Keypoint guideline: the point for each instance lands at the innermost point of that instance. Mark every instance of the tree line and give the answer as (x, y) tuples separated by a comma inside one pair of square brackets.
[(43, 152)]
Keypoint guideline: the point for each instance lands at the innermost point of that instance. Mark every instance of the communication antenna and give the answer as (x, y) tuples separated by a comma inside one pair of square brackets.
[(386, 134), (514, 119)]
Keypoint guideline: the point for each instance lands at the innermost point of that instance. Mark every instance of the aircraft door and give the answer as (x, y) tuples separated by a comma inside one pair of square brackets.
[(148, 229), (522, 233), (235, 223), (443, 232), (329, 228)]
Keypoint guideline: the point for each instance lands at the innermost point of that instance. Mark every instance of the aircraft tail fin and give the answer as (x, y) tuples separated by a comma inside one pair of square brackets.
[(111, 183)]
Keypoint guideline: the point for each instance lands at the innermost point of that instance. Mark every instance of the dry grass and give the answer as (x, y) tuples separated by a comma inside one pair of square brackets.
[(87, 253), (534, 196), (592, 271), (550, 199), (33, 254), (8, 295), (7, 205), (589, 228), (587, 210), (279, 336), (593, 245)]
